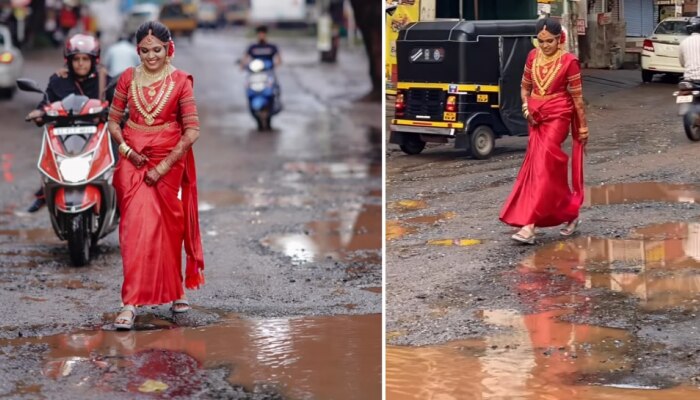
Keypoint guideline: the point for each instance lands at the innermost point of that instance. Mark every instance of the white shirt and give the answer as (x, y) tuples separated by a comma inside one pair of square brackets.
[(689, 56), (121, 56)]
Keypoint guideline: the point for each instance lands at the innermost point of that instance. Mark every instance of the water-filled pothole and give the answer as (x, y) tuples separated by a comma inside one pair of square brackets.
[(538, 357), (355, 235), (628, 193)]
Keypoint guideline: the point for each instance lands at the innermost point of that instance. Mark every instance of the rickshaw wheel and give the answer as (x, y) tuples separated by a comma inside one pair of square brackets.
[(413, 146), (482, 142)]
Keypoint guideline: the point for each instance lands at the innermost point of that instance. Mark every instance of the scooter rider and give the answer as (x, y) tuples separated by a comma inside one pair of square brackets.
[(82, 56), (689, 51), (262, 49)]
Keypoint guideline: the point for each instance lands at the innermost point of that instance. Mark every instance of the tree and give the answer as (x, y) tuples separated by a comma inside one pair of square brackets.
[(368, 14)]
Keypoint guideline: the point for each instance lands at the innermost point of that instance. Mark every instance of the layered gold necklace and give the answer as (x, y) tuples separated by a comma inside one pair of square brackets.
[(144, 79), (545, 70)]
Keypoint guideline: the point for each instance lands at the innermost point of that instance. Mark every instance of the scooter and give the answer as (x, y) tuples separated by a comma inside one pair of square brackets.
[(263, 92), (77, 164), (688, 99)]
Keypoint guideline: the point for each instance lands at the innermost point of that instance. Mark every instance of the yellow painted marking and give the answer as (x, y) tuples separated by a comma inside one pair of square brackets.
[(446, 86)]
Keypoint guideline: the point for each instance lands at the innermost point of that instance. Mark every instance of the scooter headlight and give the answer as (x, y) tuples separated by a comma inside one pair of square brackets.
[(75, 169), (257, 65)]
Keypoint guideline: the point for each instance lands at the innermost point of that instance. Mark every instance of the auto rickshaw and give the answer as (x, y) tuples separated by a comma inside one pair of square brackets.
[(460, 80)]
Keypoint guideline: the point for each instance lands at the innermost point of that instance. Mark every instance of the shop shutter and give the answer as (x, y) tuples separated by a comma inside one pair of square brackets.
[(633, 17)]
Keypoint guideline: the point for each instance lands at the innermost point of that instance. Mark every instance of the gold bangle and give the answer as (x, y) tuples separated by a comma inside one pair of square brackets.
[(128, 152), (159, 170), (583, 130)]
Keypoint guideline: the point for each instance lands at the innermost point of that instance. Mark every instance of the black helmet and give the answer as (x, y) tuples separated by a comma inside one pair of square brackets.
[(693, 25)]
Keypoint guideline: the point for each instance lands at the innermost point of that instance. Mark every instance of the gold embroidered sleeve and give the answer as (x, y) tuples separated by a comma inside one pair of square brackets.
[(188, 107), (573, 79), (119, 101)]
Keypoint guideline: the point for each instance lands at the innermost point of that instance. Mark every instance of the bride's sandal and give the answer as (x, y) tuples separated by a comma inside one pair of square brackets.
[(125, 322), (570, 228), (524, 235), (180, 306)]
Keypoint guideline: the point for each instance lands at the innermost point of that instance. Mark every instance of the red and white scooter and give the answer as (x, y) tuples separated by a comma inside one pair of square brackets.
[(77, 163)]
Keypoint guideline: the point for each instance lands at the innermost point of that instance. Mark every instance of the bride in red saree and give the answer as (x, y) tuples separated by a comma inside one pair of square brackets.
[(155, 179), (553, 105)]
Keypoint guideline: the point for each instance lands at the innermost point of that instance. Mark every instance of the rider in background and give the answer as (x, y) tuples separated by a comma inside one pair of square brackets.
[(689, 51), (262, 49), (83, 77)]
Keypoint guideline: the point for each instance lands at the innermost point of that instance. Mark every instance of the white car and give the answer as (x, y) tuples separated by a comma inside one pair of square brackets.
[(660, 51), (11, 62)]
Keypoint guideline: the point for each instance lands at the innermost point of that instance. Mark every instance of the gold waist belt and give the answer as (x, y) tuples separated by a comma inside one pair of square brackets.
[(148, 128), (548, 96)]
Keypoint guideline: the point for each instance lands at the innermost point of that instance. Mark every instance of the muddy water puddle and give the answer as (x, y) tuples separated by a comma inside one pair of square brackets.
[(292, 356), (349, 169), (35, 235), (627, 193), (659, 266), (398, 228), (538, 357), (353, 234)]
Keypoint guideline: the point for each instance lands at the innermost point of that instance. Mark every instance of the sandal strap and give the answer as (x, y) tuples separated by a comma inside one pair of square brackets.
[(128, 308), (183, 302)]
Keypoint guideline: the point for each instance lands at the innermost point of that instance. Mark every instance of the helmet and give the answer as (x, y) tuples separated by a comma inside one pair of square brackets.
[(693, 25), (82, 44)]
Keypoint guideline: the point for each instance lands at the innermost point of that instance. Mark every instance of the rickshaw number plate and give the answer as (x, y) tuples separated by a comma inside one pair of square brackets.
[(482, 98), (449, 116), (684, 99)]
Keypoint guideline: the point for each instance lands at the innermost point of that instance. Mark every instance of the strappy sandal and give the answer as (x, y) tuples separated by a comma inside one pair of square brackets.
[(570, 228), (183, 304), (128, 322), (519, 237)]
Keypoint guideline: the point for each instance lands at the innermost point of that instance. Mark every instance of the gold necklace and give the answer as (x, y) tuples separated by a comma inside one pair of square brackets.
[(148, 78), (150, 116), (151, 91), (543, 75)]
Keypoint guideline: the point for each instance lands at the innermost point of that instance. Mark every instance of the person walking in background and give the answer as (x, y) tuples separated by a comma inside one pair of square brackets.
[(157, 162), (121, 56), (552, 98)]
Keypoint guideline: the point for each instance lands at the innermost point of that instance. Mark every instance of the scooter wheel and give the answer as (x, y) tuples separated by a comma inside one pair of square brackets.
[(691, 124), (79, 241)]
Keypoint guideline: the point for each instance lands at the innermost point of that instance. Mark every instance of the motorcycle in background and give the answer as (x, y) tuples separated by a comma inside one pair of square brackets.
[(688, 99), (77, 163), (263, 92)]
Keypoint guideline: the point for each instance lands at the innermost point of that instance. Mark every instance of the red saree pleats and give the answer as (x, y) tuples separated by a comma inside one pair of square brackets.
[(541, 194)]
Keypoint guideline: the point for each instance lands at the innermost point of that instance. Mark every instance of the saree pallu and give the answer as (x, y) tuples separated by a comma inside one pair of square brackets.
[(541, 194), (156, 220)]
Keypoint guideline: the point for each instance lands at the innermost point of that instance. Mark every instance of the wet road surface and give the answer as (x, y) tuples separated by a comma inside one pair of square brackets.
[(291, 226), (609, 313)]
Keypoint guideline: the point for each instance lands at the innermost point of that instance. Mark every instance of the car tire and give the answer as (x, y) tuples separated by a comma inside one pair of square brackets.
[(647, 76), (482, 141), (412, 145)]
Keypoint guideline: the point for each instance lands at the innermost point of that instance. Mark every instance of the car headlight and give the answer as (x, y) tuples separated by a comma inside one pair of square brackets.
[(75, 169)]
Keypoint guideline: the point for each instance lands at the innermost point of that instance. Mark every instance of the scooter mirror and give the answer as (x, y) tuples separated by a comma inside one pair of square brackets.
[(28, 85)]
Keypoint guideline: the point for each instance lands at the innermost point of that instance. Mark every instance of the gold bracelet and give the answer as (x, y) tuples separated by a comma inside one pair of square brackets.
[(583, 130), (123, 147), (128, 152), (526, 114)]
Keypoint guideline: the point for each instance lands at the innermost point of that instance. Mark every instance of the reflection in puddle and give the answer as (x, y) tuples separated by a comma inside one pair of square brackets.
[(661, 273), (454, 242), (396, 229), (253, 197), (356, 231), (407, 205), (350, 169), (292, 355), (540, 357), (626, 193), (377, 290)]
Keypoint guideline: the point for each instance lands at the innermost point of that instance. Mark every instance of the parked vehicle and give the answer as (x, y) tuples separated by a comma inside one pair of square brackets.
[(263, 92), (138, 15), (180, 19), (460, 80), (660, 51), (11, 62), (236, 14), (77, 163), (688, 99), (208, 16)]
